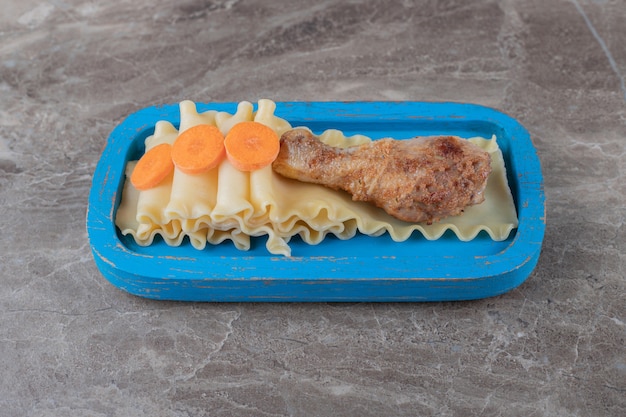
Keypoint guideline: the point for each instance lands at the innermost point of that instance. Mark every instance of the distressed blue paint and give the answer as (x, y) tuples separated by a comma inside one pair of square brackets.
[(360, 269)]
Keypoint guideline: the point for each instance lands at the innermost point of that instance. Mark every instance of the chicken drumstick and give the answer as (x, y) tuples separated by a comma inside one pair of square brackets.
[(423, 179)]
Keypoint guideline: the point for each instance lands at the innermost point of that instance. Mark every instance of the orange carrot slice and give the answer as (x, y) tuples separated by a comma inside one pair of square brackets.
[(251, 146), (198, 149), (153, 167)]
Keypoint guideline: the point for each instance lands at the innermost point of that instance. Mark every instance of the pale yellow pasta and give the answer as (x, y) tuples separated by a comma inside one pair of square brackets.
[(225, 121), (189, 116), (149, 218), (265, 115), (228, 204), (126, 217), (190, 196), (335, 137)]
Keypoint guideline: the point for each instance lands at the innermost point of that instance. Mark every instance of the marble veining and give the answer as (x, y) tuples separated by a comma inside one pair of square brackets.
[(72, 344)]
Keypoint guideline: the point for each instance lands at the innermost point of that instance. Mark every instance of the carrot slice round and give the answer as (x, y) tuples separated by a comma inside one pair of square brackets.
[(198, 149), (251, 146), (152, 167)]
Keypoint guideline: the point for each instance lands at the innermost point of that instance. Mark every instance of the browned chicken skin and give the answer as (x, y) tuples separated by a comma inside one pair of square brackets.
[(423, 179)]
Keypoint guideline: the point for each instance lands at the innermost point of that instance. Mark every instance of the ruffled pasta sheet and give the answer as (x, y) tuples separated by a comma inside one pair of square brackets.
[(225, 203)]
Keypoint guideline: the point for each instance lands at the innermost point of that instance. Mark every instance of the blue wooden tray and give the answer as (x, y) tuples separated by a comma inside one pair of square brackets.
[(360, 269)]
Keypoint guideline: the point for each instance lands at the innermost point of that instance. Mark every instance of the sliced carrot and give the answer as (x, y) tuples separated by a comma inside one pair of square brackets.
[(198, 149), (251, 146), (152, 167)]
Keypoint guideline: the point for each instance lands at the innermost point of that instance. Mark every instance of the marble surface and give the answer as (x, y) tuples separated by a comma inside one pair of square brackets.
[(72, 344)]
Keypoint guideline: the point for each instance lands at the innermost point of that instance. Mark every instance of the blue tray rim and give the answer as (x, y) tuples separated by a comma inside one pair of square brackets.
[(119, 264)]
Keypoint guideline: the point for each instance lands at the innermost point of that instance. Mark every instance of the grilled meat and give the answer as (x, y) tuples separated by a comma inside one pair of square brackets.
[(423, 179)]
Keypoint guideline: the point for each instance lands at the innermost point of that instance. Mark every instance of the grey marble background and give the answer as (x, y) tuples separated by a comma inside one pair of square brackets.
[(73, 345)]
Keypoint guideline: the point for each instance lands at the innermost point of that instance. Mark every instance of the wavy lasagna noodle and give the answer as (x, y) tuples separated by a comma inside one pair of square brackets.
[(227, 204)]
